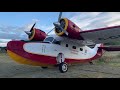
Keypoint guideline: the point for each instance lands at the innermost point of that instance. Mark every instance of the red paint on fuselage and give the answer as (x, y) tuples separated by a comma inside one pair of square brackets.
[(17, 47)]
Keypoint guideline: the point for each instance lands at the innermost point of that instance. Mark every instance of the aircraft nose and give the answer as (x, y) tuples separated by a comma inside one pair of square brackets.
[(9, 45), (15, 45)]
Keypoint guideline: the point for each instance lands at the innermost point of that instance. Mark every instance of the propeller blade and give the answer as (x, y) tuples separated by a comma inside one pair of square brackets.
[(56, 24), (28, 32), (60, 15), (64, 31), (32, 27)]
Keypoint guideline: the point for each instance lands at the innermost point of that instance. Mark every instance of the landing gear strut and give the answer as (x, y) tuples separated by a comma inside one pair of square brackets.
[(63, 67)]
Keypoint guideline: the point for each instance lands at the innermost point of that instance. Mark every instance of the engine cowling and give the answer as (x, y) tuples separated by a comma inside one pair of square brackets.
[(37, 35), (72, 29)]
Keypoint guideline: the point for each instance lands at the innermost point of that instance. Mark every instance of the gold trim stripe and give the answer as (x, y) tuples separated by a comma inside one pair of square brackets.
[(23, 60)]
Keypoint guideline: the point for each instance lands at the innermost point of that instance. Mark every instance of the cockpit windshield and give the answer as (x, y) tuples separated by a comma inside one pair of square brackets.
[(49, 39)]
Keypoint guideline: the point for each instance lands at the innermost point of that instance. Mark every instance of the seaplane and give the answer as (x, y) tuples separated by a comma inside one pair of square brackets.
[(69, 45)]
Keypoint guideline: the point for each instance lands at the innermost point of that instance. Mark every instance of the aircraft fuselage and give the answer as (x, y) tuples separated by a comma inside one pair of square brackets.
[(46, 53)]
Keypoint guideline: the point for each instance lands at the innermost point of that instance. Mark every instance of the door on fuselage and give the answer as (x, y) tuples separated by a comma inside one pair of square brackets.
[(43, 48)]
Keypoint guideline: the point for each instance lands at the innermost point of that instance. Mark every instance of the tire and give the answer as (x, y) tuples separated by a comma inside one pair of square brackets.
[(44, 67), (63, 67)]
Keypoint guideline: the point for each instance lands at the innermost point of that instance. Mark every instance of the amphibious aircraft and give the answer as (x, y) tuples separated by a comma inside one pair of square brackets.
[(69, 45)]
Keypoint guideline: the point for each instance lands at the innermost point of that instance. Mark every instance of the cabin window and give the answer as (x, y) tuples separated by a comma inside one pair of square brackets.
[(81, 49), (74, 47), (66, 45)]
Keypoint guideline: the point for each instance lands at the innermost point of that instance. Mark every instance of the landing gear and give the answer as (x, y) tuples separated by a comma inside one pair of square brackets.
[(63, 67), (91, 63)]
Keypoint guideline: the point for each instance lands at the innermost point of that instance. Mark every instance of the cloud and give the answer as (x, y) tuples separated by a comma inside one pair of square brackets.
[(35, 20), (83, 20), (4, 40), (47, 29), (27, 27), (16, 32), (12, 32), (93, 20)]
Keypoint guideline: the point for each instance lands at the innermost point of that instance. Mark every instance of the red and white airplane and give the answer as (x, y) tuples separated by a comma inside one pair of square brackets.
[(69, 45)]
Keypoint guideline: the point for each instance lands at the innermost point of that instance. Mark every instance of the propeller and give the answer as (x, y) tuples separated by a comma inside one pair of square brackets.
[(59, 25), (29, 32)]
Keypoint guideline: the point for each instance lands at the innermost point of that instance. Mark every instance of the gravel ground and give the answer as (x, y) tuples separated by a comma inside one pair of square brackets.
[(106, 67)]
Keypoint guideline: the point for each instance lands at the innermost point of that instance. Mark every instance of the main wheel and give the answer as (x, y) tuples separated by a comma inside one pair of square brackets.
[(63, 67)]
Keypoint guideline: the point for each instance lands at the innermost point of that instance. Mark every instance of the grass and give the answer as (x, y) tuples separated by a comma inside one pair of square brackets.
[(110, 58), (103, 60), (118, 56), (3, 53), (109, 61)]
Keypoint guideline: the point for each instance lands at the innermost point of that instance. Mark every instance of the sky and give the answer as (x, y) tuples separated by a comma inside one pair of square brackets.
[(13, 24)]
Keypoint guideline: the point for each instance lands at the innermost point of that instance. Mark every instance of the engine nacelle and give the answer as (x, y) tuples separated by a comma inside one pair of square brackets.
[(72, 29), (37, 35)]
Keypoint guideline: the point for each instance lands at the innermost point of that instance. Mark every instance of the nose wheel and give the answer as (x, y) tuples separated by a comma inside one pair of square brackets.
[(63, 67)]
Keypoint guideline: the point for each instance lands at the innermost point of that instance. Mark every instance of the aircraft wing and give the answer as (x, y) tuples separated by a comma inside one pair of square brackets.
[(102, 35)]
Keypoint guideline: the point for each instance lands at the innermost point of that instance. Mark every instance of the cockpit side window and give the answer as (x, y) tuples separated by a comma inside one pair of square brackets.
[(56, 42), (51, 40)]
